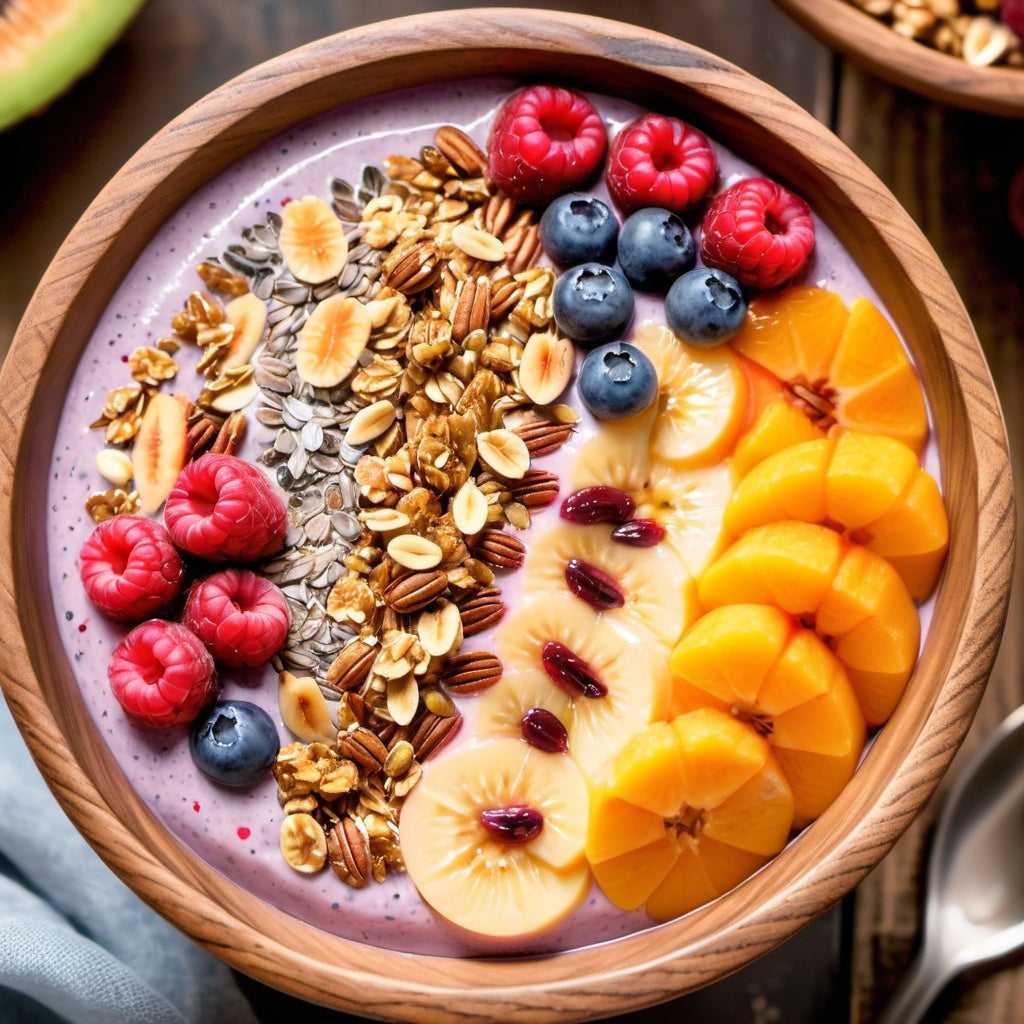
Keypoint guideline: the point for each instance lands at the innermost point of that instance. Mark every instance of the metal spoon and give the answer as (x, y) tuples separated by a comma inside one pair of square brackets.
[(974, 908)]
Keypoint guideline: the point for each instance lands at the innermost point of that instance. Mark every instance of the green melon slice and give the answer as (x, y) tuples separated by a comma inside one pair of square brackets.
[(45, 45)]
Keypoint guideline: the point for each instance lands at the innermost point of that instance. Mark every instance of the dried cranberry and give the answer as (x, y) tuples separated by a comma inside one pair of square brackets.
[(570, 671), (598, 504), (544, 730), (593, 585), (640, 533), (513, 825)]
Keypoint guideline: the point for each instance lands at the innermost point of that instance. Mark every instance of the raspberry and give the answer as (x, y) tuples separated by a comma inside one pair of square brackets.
[(161, 674), (130, 568), (224, 509), (240, 616), (545, 140), (1012, 13), (660, 161), (758, 232)]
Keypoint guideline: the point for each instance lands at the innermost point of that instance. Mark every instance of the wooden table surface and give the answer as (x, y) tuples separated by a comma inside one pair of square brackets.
[(951, 169)]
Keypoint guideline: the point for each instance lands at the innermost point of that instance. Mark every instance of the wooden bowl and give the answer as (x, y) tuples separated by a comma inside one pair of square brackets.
[(875, 46), (903, 765)]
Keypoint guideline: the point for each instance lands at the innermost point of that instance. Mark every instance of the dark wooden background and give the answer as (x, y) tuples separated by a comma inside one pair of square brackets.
[(952, 170)]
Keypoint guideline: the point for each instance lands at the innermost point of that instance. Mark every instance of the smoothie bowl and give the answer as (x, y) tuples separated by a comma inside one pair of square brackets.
[(523, 520)]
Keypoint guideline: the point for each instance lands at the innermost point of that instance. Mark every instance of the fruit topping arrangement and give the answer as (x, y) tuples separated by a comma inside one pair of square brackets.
[(583, 535)]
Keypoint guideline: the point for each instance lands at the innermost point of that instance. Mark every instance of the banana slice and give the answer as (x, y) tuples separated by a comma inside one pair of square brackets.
[(617, 456), (659, 595), (493, 836), (702, 398), (631, 683), (689, 504)]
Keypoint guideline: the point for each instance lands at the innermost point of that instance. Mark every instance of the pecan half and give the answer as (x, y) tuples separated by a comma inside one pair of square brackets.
[(472, 309), (431, 731), (537, 489), (229, 437), (472, 672), (350, 668), (348, 850), (499, 548), (364, 747), (415, 590), (543, 437), (465, 156), (481, 610), (412, 269)]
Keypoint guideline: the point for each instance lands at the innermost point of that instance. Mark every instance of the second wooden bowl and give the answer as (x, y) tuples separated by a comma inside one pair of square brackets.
[(902, 767), (875, 46)]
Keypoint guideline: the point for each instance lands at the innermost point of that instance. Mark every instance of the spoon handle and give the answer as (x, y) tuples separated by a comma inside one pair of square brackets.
[(925, 979)]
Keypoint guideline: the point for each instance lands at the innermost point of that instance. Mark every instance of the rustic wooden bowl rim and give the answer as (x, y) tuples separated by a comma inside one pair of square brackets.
[(872, 44), (904, 764)]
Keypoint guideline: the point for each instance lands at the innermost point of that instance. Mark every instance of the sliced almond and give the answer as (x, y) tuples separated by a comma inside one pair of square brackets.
[(469, 508), (414, 552), (545, 367), (114, 465), (985, 41), (479, 244), (503, 452), (403, 698), (370, 422), (304, 709), (235, 397), (312, 240), (384, 520), (440, 629), (331, 340)]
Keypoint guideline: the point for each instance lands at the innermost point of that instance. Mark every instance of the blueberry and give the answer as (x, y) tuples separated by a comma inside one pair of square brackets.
[(592, 303), (617, 381), (655, 247), (579, 229), (705, 307), (234, 742)]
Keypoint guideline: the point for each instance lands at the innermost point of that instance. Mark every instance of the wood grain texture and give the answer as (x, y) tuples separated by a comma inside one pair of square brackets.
[(900, 771), (952, 170), (873, 45)]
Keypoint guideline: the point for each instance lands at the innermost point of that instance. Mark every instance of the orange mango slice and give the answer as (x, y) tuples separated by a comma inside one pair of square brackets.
[(778, 425), (871, 487), (855, 600), (758, 663), (685, 812), (838, 365)]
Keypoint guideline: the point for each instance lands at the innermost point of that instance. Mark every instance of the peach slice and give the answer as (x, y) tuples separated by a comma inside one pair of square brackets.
[(779, 425), (757, 663), (869, 486), (158, 453), (702, 398), (685, 812), (837, 365), (854, 598)]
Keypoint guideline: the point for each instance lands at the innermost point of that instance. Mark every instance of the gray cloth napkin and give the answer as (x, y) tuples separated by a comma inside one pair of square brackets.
[(76, 944)]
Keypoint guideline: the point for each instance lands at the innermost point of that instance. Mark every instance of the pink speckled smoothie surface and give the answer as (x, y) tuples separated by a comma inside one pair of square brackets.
[(236, 832)]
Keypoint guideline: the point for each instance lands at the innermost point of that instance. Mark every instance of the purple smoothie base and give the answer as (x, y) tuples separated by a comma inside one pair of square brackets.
[(236, 832)]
